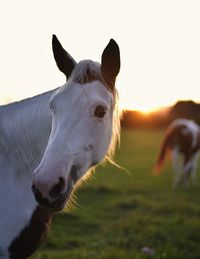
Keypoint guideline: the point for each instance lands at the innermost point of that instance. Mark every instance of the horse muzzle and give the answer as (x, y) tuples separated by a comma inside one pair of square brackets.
[(56, 199)]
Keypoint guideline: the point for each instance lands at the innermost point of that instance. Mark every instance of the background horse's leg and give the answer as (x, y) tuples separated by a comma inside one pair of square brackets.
[(189, 170), (186, 177), (176, 168), (194, 171)]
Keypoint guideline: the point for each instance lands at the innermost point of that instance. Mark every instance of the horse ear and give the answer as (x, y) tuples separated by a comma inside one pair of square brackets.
[(110, 63), (63, 60)]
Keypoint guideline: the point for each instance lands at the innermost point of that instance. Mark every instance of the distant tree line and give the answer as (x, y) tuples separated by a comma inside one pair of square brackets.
[(162, 118)]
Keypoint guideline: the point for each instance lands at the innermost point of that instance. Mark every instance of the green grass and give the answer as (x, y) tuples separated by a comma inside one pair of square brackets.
[(120, 213)]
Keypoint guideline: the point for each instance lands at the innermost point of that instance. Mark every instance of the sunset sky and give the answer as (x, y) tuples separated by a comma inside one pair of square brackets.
[(159, 43)]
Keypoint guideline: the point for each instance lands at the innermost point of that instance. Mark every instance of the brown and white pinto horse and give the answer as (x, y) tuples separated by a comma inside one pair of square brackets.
[(182, 139)]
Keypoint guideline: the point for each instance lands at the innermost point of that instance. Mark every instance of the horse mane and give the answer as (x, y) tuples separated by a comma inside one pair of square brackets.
[(116, 128)]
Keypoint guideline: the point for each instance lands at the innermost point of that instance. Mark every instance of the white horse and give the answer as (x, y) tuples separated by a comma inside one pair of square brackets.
[(50, 142), (182, 138)]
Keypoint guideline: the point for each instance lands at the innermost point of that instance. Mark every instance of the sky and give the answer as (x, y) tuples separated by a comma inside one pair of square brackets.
[(159, 43)]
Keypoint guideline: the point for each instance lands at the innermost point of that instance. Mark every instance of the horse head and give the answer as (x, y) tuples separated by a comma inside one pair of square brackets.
[(82, 113)]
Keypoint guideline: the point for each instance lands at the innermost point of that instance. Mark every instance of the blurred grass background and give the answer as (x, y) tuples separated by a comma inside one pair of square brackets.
[(119, 213)]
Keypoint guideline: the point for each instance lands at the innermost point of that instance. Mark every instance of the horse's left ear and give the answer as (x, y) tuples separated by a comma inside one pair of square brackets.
[(63, 59), (110, 63)]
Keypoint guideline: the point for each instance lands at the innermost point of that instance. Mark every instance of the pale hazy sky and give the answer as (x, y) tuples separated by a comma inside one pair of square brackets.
[(159, 43)]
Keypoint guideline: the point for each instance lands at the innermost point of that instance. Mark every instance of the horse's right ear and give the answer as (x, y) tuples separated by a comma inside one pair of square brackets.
[(110, 63), (63, 60)]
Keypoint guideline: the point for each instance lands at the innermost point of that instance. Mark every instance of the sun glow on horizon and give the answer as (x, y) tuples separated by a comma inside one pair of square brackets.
[(151, 101), (134, 101), (142, 107)]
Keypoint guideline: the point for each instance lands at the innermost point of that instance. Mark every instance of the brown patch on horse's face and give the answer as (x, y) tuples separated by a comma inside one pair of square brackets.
[(32, 235)]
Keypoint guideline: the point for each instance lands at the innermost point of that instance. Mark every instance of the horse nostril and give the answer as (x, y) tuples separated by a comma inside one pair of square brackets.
[(37, 194), (57, 189), (34, 190)]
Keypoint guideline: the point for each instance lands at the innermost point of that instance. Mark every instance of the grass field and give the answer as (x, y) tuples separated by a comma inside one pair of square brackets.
[(120, 213)]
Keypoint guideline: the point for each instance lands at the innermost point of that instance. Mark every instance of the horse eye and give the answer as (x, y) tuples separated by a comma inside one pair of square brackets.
[(100, 111)]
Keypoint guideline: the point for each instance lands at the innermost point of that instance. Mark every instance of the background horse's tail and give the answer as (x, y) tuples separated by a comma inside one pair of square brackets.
[(165, 149)]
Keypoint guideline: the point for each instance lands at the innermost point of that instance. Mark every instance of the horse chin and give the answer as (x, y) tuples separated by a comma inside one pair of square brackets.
[(59, 204), (56, 208)]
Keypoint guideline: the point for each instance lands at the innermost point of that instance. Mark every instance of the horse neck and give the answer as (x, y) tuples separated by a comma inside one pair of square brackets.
[(24, 129)]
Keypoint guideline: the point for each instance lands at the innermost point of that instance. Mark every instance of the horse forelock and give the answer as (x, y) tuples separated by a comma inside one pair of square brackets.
[(87, 71)]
